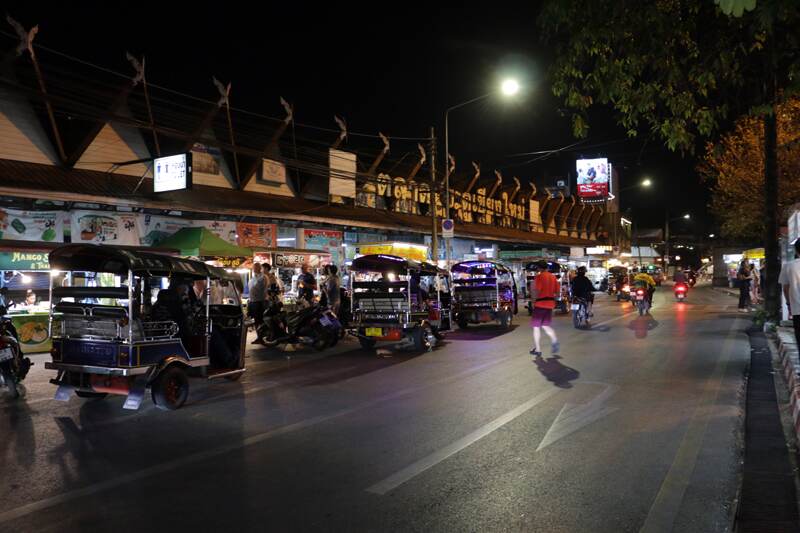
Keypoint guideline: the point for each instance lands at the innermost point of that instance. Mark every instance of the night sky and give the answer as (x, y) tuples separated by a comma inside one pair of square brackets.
[(393, 70)]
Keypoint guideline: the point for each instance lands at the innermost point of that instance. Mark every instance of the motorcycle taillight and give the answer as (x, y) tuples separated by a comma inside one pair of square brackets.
[(640, 293)]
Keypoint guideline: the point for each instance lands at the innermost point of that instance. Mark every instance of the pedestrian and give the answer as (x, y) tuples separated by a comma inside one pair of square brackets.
[(272, 283), (306, 285), (743, 276), (543, 294), (258, 296), (755, 285), (331, 287), (790, 279)]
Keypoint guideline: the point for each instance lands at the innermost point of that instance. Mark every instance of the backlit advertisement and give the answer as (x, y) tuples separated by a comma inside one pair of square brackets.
[(592, 177)]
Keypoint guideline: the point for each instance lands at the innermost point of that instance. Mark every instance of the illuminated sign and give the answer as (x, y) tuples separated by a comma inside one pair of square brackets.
[(593, 177), (172, 173)]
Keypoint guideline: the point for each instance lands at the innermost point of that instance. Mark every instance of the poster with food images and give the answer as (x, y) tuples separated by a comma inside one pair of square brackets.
[(104, 227), (19, 225), (32, 331)]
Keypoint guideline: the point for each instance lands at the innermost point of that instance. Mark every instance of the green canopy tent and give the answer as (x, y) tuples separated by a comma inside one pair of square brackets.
[(201, 242)]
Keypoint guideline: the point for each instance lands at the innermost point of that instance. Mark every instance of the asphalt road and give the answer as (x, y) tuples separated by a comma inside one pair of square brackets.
[(636, 427)]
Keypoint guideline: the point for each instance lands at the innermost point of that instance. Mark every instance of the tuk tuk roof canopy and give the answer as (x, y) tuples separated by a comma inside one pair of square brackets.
[(391, 263), (202, 242), (115, 260), (478, 267)]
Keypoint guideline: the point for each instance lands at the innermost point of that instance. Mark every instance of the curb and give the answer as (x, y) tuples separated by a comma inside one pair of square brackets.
[(789, 358)]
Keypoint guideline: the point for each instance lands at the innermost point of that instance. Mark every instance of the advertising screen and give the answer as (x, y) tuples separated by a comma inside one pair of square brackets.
[(592, 177), (172, 173)]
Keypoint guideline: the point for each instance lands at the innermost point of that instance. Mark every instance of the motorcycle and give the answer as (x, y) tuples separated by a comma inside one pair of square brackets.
[(13, 366), (681, 290), (641, 301), (624, 293), (580, 313), (314, 325)]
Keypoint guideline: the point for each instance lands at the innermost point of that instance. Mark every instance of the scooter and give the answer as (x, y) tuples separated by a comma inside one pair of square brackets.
[(641, 302), (681, 290), (314, 325), (13, 366)]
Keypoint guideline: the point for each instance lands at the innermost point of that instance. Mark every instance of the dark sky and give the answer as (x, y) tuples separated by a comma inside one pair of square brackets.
[(393, 70)]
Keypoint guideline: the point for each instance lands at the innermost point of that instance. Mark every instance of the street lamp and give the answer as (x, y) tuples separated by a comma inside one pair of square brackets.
[(646, 182), (509, 87), (667, 220)]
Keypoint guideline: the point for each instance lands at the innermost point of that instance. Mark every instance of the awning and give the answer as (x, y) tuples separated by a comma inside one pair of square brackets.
[(201, 242)]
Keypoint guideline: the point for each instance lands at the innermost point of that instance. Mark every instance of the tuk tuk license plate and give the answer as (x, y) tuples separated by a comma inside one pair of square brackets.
[(6, 354), (374, 332), (639, 297), (325, 321), (575, 307)]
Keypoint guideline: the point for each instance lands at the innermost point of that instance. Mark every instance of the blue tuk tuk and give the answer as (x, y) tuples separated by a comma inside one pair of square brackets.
[(124, 321)]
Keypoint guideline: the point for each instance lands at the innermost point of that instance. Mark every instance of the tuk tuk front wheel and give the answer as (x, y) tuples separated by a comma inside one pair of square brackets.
[(423, 339), (505, 319), (170, 389)]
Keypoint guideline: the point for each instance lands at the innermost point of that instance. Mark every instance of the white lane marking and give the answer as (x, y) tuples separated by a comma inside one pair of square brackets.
[(572, 417), (667, 503), (609, 321), (414, 469), (58, 499)]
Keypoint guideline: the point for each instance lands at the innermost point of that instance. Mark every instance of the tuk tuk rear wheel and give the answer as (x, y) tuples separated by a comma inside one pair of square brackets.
[(422, 339), (170, 389), (463, 323), (90, 395)]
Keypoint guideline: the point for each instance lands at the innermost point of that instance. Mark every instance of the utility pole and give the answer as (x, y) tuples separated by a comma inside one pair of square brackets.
[(665, 262), (434, 240)]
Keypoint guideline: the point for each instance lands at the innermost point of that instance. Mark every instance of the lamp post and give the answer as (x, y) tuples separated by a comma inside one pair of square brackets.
[(509, 87)]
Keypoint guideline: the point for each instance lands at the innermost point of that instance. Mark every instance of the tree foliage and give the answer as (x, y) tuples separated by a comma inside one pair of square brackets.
[(678, 69), (734, 166)]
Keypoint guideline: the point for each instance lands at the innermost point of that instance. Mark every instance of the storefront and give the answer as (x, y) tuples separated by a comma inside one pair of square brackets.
[(25, 274), (287, 263)]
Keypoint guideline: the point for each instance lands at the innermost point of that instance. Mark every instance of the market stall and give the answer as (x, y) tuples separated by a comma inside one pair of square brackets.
[(286, 264), (25, 274)]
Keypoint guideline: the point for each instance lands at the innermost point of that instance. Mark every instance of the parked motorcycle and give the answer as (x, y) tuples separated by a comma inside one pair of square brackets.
[(314, 325), (13, 366)]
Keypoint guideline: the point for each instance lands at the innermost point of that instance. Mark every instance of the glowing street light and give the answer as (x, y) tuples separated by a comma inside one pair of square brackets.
[(647, 182), (687, 216), (510, 87)]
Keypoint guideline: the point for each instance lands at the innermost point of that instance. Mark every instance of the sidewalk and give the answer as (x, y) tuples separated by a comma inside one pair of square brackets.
[(768, 500)]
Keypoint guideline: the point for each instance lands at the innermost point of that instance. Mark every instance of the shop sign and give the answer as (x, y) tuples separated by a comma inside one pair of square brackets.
[(298, 260), (226, 262), (257, 235), (24, 261), (415, 252)]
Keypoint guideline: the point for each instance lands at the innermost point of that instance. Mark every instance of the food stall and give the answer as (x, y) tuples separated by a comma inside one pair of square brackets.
[(406, 250), (286, 263), (25, 268)]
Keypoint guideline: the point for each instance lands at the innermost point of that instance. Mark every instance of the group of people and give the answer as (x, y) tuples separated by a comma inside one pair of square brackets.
[(265, 288), (748, 277)]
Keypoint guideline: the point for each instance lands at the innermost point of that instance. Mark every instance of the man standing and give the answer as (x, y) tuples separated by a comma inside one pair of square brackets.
[(744, 277), (543, 294), (258, 295), (790, 279), (306, 285)]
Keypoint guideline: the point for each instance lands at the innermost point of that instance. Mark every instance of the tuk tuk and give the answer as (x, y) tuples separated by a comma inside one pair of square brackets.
[(484, 291), (398, 300), (124, 321)]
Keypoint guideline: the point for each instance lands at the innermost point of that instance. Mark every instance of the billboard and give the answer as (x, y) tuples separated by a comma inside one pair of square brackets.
[(593, 177)]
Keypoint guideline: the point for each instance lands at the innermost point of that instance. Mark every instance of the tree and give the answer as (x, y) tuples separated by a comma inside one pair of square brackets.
[(682, 70), (734, 167)]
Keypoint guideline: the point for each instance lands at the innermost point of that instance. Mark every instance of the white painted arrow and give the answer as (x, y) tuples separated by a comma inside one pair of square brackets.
[(573, 417)]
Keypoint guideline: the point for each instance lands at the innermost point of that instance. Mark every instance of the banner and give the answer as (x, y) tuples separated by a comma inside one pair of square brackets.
[(154, 228), (321, 239), (257, 235), (104, 227), (17, 225), (342, 174), (221, 228)]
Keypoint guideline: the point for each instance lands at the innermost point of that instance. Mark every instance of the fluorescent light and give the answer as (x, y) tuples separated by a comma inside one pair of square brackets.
[(26, 279), (287, 239)]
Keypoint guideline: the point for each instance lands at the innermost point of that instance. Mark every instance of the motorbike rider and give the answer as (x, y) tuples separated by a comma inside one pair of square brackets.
[(582, 288), (647, 280), (679, 276)]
